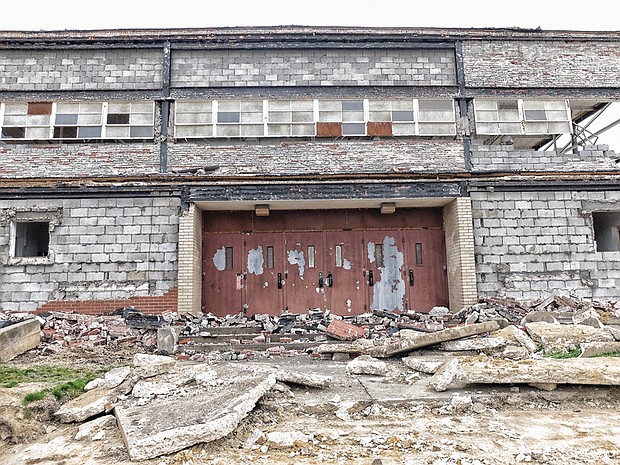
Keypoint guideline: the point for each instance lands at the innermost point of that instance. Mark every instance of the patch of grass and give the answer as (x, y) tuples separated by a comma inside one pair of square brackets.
[(562, 354), (608, 354), (65, 382)]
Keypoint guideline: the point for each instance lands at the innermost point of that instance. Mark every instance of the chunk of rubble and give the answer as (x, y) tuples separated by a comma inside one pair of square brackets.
[(516, 336), (423, 364), (171, 423), (593, 349), (303, 379), (91, 428), (587, 316), (147, 365), (428, 339), (92, 403), (110, 380), (358, 347), (366, 365), (345, 331), (473, 343), (285, 439), (546, 371), (557, 337)]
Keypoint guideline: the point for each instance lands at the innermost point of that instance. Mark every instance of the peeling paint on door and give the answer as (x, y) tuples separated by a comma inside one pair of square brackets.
[(389, 290), (219, 259), (371, 252), (296, 257), (256, 261), (346, 264)]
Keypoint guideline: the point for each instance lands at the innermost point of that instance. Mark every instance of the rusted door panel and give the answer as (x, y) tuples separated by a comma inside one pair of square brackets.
[(385, 270), (305, 282), (263, 272), (222, 269), (345, 275), (427, 284)]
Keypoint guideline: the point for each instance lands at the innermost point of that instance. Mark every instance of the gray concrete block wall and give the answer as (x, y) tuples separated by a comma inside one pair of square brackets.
[(530, 245), (506, 158), (333, 157), (78, 160), (535, 64), (75, 70), (102, 248), (329, 67)]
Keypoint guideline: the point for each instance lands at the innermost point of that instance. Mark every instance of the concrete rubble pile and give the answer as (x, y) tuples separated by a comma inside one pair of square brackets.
[(60, 329), (163, 407)]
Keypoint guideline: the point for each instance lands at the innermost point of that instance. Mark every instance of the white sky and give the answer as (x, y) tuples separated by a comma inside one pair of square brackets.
[(593, 15)]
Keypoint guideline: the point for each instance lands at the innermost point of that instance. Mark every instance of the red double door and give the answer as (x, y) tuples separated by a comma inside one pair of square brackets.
[(348, 272)]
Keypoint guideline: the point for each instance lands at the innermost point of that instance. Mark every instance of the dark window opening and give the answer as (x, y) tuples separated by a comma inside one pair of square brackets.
[(32, 239), (13, 133), (118, 118), (607, 231), (229, 258), (65, 132)]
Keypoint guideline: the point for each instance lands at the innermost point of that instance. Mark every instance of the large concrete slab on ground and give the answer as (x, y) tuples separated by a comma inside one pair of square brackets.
[(207, 412), (604, 371), (19, 338), (556, 337), (408, 344)]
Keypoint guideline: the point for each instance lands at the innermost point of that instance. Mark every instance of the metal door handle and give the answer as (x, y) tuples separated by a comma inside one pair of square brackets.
[(370, 279), (411, 279), (330, 279), (320, 279), (279, 280)]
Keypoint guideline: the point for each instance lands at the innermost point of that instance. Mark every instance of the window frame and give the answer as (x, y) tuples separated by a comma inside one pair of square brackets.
[(53, 218)]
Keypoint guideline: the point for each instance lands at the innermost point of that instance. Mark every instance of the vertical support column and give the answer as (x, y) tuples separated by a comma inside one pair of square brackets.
[(190, 261), (462, 100), (165, 110), (461, 262)]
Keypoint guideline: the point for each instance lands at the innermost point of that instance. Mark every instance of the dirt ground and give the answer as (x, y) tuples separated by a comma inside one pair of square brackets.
[(500, 426)]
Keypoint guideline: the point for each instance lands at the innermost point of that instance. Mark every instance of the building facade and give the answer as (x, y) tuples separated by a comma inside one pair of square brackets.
[(264, 170)]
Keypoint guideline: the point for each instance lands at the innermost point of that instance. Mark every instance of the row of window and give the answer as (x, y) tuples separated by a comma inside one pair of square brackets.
[(77, 120), (280, 118), (291, 118)]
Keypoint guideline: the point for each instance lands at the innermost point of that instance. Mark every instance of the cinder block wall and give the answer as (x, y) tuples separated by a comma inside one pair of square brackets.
[(328, 67), (86, 69), (504, 158), (190, 261), (460, 253), (102, 250), (533, 244), (541, 63)]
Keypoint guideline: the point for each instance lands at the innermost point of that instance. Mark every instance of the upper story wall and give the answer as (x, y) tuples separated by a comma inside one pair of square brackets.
[(312, 67), (536, 64), (80, 69)]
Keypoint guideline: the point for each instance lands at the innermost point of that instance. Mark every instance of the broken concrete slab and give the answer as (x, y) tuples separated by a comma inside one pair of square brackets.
[(593, 349), (545, 371), (366, 365), (92, 403), (423, 364), (358, 347), (557, 337), (110, 380), (541, 316), (18, 338), (428, 339), (170, 424), (517, 336), (147, 365), (303, 379), (285, 439), (474, 343), (91, 428), (168, 338), (587, 316)]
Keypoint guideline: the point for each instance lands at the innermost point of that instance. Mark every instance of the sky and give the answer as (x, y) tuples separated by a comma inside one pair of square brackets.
[(593, 15)]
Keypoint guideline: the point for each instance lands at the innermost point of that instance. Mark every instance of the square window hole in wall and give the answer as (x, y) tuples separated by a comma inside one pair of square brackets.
[(607, 231), (32, 239)]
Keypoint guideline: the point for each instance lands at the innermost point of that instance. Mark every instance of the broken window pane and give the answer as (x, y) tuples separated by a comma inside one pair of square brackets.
[(229, 258)]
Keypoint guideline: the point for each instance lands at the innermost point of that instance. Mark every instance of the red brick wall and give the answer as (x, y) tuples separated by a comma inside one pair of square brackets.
[(146, 304)]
